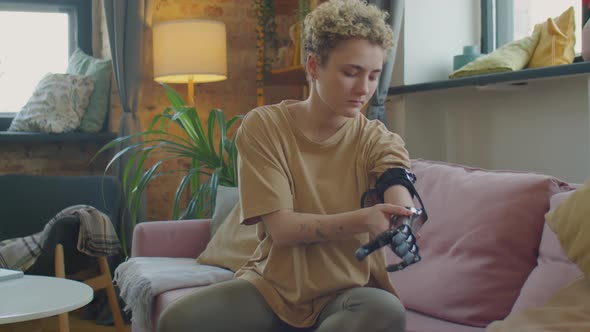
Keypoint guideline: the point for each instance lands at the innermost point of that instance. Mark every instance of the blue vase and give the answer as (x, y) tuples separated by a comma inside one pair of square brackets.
[(470, 53)]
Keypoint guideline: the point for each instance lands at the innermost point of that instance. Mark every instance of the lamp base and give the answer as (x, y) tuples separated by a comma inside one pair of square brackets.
[(190, 100)]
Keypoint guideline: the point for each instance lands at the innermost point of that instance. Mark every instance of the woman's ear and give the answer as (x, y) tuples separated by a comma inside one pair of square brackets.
[(312, 65)]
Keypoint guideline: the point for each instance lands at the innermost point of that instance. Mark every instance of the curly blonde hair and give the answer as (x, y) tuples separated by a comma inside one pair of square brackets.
[(337, 20)]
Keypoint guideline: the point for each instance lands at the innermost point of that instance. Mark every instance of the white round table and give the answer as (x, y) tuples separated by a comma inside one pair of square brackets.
[(35, 297)]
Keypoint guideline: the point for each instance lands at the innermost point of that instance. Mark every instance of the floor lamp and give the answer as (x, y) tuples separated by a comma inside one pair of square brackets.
[(190, 51)]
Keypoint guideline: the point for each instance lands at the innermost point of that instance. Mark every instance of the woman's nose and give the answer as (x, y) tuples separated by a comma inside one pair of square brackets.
[(362, 86)]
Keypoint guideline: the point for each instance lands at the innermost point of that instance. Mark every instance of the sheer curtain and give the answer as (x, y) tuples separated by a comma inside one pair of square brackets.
[(395, 8)]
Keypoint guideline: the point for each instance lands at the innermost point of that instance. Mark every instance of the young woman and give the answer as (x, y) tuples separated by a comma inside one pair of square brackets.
[(304, 166)]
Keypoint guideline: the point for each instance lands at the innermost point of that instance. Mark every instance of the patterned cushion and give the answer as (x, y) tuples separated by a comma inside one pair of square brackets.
[(56, 106)]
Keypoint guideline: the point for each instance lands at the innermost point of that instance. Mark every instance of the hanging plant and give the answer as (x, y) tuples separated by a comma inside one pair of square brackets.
[(303, 8), (267, 41)]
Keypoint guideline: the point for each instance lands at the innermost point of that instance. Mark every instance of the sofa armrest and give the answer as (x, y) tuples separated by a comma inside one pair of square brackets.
[(182, 238)]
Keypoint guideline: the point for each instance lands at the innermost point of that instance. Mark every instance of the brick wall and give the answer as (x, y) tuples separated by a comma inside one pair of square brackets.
[(236, 95), (57, 158), (66, 158)]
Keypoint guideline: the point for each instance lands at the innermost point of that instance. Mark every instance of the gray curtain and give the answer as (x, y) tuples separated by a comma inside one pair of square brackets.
[(395, 8), (126, 22)]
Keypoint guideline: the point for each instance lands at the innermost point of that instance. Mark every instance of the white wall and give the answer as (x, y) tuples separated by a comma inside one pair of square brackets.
[(542, 127), (434, 31)]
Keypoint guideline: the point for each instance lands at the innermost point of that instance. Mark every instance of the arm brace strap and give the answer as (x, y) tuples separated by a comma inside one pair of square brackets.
[(392, 177)]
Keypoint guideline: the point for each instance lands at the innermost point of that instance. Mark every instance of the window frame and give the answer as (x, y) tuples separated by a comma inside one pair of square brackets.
[(487, 27), (497, 24), (80, 20), (488, 39)]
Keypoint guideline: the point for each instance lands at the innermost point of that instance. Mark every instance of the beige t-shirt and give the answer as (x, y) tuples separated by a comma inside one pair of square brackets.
[(280, 168)]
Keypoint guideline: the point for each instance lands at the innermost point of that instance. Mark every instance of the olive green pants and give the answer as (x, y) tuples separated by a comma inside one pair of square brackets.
[(236, 305)]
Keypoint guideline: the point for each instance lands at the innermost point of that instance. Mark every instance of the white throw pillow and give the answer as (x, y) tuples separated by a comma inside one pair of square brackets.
[(56, 106)]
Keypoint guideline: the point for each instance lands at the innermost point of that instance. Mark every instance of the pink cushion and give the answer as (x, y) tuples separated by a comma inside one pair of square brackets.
[(178, 238), (480, 243), (553, 271)]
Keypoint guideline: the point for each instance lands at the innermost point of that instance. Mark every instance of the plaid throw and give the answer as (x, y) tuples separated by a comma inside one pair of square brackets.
[(97, 237)]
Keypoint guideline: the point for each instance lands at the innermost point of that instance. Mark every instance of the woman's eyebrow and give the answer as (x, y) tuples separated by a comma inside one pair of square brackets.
[(378, 70)]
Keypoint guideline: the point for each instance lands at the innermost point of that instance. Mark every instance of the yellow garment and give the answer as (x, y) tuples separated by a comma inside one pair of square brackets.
[(280, 168), (510, 57), (567, 310), (570, 223), (556, 44)]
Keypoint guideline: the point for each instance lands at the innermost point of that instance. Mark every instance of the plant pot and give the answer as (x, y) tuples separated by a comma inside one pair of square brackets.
[(470, 53)]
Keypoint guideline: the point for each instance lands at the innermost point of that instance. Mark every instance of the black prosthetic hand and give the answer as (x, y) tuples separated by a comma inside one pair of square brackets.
[(400, 238)]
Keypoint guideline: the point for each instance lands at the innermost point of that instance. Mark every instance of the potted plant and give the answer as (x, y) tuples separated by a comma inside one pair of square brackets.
[(213, 159)]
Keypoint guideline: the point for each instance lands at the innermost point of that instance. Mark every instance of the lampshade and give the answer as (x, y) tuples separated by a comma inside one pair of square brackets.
[(189, 49)]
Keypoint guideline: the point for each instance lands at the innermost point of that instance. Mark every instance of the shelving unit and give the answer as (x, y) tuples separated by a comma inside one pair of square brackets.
[(291, 76), (288, 76), (515, 78)]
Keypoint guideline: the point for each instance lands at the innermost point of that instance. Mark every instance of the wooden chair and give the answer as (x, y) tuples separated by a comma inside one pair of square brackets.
[(33, 200), (102, 281)]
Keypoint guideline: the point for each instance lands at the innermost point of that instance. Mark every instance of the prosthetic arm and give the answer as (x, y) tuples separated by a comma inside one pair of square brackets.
[(401, 236)]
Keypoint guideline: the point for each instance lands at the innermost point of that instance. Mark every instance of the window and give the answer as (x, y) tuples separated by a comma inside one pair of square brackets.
[(37, 37), (506, 20)]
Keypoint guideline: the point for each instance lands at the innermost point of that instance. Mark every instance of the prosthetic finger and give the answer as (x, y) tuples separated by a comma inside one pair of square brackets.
[(404, 247), (403, 244), (380, 241), (400, 239)]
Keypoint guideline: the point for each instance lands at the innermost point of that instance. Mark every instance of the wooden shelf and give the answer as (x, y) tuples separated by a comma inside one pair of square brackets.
[(518, 77), (30, 137), (288, 76)]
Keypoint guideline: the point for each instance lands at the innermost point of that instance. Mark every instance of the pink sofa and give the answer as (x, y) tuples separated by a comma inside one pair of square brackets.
[(486, 249)]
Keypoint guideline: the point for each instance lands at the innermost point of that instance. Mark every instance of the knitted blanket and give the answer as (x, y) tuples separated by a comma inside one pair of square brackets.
[(141, 279), (97, 237)]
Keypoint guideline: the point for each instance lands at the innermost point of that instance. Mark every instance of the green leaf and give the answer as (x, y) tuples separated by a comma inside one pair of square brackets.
[(175, 99), (186, 180), (214, 159)]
